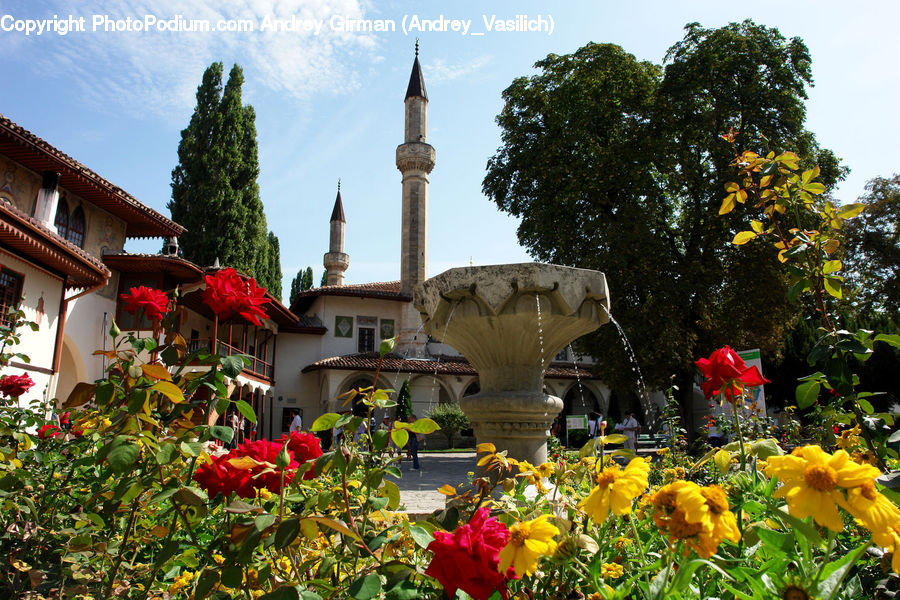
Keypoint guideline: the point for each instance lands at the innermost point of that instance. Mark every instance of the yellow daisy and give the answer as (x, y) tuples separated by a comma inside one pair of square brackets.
[(813, 480), (528, 542), (874, 511), (616, 489), (721, 523)]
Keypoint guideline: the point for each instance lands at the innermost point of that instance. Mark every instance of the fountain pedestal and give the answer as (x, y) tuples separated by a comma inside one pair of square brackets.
[(509, 321)]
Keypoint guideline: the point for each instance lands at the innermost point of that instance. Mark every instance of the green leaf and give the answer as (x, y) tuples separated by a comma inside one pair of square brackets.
[(833, 286), (264, 521), (191, 495), (232, 366), (287, 532), (232, 577), (191, 448), (866, 406), (766, 448), (246, 410), (285, 593), (893, 340), (399, 437), (205, 583), (420, 536), (404, 590), (835, 572), (222, 433), (167, 453), (424, 426), (807, 393), (365, 587), (392, 491), (122, 455), (848, 211), (325, 422), (380, 439), (895, 437)]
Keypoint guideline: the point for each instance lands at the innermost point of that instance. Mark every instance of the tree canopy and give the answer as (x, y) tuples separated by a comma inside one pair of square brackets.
[(214, 190), (301, 282), (873, 247), (618, 165)]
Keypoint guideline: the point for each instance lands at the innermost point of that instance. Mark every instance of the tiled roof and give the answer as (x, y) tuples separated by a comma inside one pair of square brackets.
[(384, 290), (440, 365), (30, 237), (26, 148), (186, 272)]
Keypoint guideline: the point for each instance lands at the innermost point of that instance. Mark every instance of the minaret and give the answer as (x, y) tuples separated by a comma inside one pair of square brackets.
[(415, 160), (336, 261)]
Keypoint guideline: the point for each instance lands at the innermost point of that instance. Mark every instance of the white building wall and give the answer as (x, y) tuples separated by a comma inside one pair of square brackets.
[(37, 285), (87, 324)]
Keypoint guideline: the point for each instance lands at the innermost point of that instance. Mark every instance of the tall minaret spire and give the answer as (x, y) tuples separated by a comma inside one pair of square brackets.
[(415, 160), (336, 261)]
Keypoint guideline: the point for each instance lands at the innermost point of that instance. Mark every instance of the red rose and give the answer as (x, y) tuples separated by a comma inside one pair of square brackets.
[(14, 386), (227, 473), (468, 558), (304, 447), (727, 374), (228, 294), (48, 430), (154, 302)]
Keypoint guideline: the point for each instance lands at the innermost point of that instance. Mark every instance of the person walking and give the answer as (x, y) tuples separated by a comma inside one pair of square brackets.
[(413, 445)]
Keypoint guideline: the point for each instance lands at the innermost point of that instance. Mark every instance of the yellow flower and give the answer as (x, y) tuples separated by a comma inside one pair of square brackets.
[(616, 489), (529, 541), (545, 470), (849, 438), (813, 480), (218, 558), (265, 494), (181, 582), (698, 515), (672, 503), (611, 570), (721, 522), (874, 511)]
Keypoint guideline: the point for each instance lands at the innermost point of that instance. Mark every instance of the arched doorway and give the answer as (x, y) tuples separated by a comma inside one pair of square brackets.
[(71, 369)]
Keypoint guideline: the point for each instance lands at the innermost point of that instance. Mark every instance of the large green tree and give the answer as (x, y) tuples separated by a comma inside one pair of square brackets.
[(873, 247), (214, 190), (618, 165)]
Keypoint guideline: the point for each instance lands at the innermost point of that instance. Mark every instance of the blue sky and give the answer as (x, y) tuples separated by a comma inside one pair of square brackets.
[(330, 105)]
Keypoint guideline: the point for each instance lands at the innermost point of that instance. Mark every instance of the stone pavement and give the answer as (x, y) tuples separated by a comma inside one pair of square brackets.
[(418, 489)]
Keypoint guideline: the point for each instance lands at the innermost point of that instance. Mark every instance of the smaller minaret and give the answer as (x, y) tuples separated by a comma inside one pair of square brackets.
[(336, 261)]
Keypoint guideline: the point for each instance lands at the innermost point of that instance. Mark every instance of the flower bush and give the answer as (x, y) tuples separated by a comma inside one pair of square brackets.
[(140, 501)]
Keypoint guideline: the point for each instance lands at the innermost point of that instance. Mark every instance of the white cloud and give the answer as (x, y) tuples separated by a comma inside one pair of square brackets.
[(440, 71), (159, 71)]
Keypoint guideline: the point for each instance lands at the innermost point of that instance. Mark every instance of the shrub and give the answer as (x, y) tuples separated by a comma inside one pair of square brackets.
[(451, 419)]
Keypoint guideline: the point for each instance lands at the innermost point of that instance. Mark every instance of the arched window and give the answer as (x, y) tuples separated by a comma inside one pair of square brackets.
[(62, 217), (76, 228)]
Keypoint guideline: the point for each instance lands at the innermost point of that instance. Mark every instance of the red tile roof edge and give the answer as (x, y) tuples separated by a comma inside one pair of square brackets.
[(91, 262), (114, 191)]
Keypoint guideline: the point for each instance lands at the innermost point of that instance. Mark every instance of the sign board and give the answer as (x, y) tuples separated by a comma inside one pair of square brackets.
[(576, 422)]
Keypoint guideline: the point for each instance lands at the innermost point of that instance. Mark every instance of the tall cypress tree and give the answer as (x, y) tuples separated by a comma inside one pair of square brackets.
[(274, 265), (214, 190)]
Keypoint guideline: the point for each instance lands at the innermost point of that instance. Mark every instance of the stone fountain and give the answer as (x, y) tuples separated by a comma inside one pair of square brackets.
[(509, 321)]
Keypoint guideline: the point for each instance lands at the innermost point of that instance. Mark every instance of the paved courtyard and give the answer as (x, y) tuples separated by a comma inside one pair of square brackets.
[(418, 489)]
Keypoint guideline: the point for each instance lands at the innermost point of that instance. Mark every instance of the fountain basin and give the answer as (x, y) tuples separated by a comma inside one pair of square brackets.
[(510, 321)]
